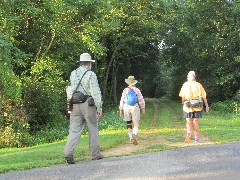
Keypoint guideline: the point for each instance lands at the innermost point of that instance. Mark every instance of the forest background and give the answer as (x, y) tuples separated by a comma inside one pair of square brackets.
[(157, 41)]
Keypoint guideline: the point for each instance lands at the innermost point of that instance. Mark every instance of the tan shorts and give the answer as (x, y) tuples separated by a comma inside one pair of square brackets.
[(131, 112)]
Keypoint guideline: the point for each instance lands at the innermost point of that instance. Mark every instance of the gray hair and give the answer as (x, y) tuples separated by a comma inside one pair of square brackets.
[(191, 76), (85, 62)]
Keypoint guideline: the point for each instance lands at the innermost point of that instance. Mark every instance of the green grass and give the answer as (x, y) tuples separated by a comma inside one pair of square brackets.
[(16, 159), (218, 128)]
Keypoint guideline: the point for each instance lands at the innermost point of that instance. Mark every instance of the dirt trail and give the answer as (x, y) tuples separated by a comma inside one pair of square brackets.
[(146, 139)]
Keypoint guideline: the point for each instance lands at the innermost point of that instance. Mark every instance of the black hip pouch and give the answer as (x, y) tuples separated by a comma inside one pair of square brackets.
[(91, 101)]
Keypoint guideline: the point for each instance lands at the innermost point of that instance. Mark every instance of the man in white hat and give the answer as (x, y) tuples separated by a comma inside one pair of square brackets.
[(129, 106), (82, 113)]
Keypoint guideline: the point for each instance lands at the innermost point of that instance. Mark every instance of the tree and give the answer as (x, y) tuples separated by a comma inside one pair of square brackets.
[(200, 38)]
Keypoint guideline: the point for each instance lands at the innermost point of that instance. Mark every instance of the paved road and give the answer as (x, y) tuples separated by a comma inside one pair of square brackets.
[(220, 162)]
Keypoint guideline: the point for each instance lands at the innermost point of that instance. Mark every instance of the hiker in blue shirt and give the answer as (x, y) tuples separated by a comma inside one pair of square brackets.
[(130, 104)]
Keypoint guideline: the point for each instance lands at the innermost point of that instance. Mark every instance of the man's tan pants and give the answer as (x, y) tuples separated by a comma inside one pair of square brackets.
[(83, 114)]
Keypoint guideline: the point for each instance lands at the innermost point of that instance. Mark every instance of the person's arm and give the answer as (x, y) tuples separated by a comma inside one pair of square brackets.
[(204, 95), (206, 104), (96, 93), (141, 100), (181, 94), (183, 100)]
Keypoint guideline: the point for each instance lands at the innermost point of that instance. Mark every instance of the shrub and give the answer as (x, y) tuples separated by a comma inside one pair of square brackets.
[(237, 103), (111, 120), (226, 107), (14, 127), (44, 94)]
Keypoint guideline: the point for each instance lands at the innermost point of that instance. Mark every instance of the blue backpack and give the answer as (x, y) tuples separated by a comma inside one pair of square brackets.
[(131, 98)]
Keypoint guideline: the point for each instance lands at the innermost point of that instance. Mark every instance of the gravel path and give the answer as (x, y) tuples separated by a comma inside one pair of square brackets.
[(221, 161)]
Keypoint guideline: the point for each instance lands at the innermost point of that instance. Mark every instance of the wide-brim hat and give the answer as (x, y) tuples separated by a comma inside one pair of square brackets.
[(131, 80), (85, 57)]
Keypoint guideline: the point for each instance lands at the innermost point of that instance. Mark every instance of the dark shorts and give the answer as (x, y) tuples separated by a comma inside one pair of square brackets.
[(196, 114)]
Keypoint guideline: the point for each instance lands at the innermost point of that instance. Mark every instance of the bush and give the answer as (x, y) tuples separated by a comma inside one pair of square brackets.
[(237, 103), (112, 120), (226, 107), (13, 126), (44, 94), (48, 135)]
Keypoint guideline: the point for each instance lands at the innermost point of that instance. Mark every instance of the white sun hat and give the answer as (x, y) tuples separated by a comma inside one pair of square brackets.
[(85, 57)]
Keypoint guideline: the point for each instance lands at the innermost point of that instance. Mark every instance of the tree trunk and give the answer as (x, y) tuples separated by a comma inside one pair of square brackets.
[(1, 89), (108, 70), (115, 99)]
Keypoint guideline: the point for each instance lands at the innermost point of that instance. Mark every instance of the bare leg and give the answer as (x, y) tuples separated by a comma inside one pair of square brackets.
[(189, 126), (129, 130), (196, 128)]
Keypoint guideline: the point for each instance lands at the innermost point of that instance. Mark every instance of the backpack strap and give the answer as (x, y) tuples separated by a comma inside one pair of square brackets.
[(132, 89), (129, 88), (81, 79)]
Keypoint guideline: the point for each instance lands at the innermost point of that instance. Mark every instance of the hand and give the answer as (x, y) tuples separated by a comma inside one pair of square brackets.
[(207, 108), (143, 112), (99, 115), (121, 113)]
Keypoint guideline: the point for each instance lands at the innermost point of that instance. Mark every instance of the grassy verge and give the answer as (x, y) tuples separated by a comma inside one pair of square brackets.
[(220, 128), (49, 154), (167, 124)]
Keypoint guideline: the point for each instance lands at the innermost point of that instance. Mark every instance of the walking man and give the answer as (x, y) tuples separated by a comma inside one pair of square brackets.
[(85, 112)]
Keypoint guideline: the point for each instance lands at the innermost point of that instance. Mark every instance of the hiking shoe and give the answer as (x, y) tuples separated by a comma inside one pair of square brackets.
[(196, 140), (135, 140), (70, 160), (187, 139), (130, 141), (97, 157)]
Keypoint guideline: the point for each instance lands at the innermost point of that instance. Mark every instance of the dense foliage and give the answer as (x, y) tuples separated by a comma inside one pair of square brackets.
[(157, 41)]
